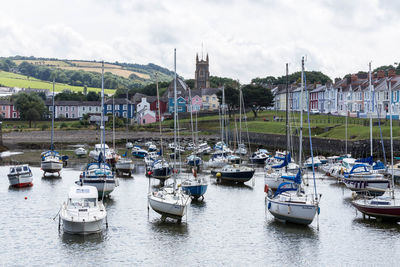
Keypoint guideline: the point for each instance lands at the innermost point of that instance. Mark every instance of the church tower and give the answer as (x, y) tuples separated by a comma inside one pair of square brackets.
[(202, 74)]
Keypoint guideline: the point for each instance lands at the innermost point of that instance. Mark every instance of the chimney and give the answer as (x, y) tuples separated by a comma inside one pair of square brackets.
[(354, 77), (381, 74), (392, 73)]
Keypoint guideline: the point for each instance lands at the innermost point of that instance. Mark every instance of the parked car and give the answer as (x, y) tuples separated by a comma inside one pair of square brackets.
[(314, 111)]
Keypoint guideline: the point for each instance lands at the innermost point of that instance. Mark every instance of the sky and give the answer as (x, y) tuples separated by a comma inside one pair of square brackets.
[(244, 39)]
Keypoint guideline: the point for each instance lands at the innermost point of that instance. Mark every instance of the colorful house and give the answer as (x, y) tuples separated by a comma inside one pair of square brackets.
[(209, 98), (181, 104), (8, 110), (63, 109), (121, 107)]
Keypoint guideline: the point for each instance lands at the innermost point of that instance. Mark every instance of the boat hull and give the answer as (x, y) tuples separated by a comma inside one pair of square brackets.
[(170, 210), (258, 161), (81, 227), (20, 180), (124, 167), (102, 186), (241, 177), (195, 191), (291, 212), (162, 173), (51, 166), (375, 187), (391, 213)]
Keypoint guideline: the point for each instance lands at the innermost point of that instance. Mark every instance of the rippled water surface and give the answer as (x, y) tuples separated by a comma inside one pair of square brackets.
[(230, 227)]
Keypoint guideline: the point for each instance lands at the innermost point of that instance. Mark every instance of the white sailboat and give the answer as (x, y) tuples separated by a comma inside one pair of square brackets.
[(51, 160), (289, 203), (100, 174), (170, 201)]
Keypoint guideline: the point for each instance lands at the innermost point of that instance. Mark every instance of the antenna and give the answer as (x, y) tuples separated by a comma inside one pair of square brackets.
[(201, 50)]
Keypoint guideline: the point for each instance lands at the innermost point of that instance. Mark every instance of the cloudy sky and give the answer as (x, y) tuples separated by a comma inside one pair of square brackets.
[(244, 39)]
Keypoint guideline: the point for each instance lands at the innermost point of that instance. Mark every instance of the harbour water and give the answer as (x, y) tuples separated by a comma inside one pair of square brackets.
[(230, 227)]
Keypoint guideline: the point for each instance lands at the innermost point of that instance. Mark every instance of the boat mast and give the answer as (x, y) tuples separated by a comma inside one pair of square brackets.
[(191, 116), (52, 120), (102, 132), (113, 133), (301, 112), (287, 113), (391, 135), (240, 114), (127, 113), (222, 115), (159, 117), (175, 119), (346, 119), (371, 108)]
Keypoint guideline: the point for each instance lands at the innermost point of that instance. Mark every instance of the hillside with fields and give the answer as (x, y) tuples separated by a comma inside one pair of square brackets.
[(30, 72)]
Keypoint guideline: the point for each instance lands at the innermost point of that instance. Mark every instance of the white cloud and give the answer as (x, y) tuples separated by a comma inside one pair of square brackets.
[(244, 39)]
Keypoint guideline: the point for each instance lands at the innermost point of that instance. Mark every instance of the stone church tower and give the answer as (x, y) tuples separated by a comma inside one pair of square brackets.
[(202, 74)]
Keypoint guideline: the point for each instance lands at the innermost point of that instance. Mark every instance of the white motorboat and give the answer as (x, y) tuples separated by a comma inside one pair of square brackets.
[(83, 213), (80, 152), (100, 176), (124, 165), (20, 176), (203, 148), (259, 157), (241, 150), (309, 162), (51, 162)]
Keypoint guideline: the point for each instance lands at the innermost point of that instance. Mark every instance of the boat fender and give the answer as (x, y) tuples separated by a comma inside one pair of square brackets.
[(289, 209), (218, 175), (266, 188), (269, 205), (341, 171), (319, 210)]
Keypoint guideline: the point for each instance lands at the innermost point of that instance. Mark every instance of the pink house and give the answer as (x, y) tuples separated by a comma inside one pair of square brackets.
[(147, 116), (197, 102), (8, 110)]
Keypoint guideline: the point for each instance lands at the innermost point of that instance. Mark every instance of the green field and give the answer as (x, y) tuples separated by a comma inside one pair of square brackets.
[(9, 79), (322, 126)]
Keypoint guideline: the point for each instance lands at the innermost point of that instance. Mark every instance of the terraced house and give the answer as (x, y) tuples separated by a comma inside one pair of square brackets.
[(121, 107), (8, 110)]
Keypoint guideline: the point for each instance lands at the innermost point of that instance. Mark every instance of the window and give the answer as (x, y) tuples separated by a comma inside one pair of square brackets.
[(51, 108), (125, 107), (66, 115), (207, 98), (116, 107), (4, 115), (83, 108), (213, 98), (14, 114), (61, 108), (109, 107), (73, 115), (124, 114), (97, 109), (386, 95), (213, 105), (4, 107), (73, 108), (66, 108)]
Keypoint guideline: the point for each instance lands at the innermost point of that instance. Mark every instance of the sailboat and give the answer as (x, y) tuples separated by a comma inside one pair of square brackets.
[(51, 160), (170, 202), (382, 207), (289, 203), (235, 172), (100, 174), (277, 172), (194, 186), (160, 168)]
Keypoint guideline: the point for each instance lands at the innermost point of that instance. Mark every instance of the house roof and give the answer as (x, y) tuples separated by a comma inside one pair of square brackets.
[(118, 101), (5, 102), (49, 102)]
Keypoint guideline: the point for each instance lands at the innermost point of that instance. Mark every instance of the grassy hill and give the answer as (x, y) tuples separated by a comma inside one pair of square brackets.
[(74, 74), (10, 79)]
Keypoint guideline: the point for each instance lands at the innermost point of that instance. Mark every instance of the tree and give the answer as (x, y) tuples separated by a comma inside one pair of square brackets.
[(256, 96), (93, 96), (30, 106), (231, 98)]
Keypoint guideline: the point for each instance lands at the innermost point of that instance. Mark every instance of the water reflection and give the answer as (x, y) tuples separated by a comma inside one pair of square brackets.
[(228, 184), (291, 230), (70, 239), (169, 227), (376, 224), (20, 189)]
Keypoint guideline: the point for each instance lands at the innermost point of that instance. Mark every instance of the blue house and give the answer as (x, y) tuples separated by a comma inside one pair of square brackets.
[(181, 104), (121, 107)]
